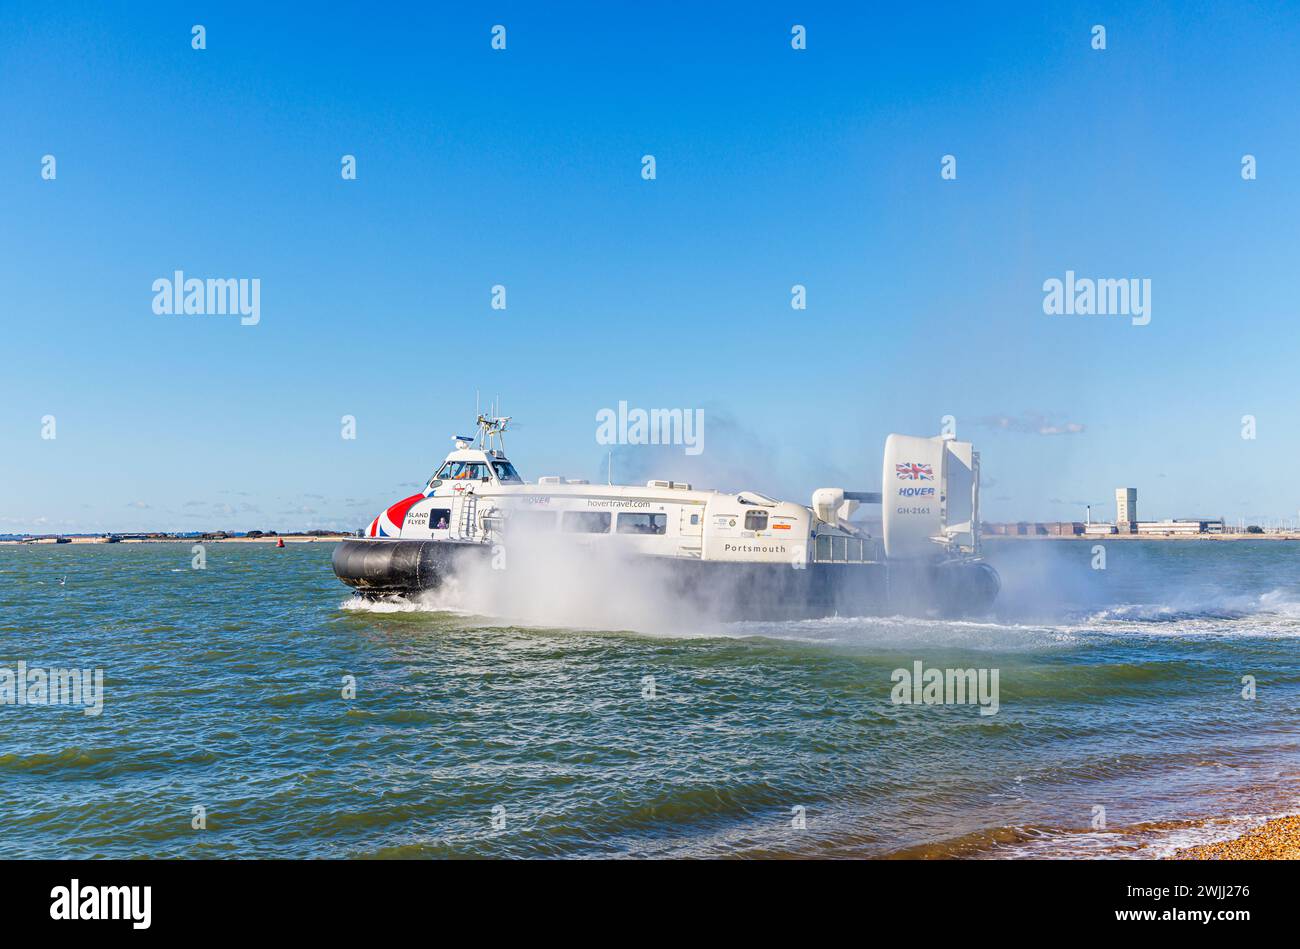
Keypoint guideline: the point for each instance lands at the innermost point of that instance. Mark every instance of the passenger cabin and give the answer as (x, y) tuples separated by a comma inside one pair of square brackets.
[(477, 496)]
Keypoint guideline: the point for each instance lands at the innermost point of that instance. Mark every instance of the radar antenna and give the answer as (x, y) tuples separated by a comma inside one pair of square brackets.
[(491, 432)]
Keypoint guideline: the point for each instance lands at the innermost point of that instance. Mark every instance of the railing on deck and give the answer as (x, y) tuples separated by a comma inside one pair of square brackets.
[(839, 548)]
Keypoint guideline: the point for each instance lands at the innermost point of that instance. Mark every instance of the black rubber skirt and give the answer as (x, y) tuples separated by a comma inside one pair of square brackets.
[(381, 567)]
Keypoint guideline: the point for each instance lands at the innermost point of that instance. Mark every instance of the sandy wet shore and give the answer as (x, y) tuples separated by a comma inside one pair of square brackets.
[(1276, 839)]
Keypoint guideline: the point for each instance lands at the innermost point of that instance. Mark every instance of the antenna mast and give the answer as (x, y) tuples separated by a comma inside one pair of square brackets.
[(491, 431)]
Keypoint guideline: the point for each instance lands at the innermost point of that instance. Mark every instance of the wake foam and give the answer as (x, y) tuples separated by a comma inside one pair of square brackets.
[(1274, 613), (446, 599)]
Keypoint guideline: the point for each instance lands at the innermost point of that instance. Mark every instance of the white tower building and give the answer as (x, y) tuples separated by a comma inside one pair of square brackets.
[(1126, 510)]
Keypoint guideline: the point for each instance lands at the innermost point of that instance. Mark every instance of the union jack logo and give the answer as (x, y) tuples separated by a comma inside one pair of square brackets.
[(913, 472)]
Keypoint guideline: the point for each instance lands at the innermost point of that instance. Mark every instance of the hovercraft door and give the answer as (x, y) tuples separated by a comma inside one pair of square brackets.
[(691, 529)]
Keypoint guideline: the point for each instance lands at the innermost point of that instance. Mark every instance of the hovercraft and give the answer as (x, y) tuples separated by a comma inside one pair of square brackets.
[(759, 557)]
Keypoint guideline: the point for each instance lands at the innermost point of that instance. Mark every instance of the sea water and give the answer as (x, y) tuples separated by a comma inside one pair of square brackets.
[(253, 708)]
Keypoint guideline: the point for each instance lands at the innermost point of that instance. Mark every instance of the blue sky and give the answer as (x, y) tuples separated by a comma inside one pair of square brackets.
[(522, 167)]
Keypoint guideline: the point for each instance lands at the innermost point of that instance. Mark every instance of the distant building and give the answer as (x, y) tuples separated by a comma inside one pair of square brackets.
[(1126, 510), (1174, 527)]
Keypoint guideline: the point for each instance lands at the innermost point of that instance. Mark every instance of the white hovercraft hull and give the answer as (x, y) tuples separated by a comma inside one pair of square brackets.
[(744, 555)]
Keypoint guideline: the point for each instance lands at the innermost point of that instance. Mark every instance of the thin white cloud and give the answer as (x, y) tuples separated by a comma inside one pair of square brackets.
[(1031, 423)]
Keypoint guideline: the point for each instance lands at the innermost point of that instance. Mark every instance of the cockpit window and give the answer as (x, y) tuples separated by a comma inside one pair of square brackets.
[(506, 473), (463, 471)]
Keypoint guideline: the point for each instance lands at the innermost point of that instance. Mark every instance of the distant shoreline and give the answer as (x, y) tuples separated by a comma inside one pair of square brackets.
[(986, 538)]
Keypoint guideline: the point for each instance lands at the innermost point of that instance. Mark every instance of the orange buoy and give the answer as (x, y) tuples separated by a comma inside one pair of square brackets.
[(279, 542)]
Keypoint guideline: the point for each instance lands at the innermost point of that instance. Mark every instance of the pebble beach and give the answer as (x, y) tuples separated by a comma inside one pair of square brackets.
[(1276, 839)]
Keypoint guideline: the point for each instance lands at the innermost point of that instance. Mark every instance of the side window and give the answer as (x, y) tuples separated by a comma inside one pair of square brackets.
[(642, 523), (586, 522), (756, 520), (439, 518)]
